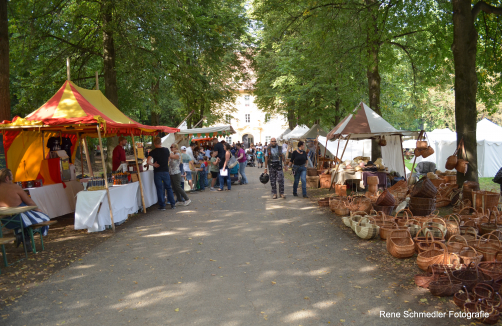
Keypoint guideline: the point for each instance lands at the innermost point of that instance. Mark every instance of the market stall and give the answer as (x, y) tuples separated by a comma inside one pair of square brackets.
[(362, 124), (185, 136), (43, 145)]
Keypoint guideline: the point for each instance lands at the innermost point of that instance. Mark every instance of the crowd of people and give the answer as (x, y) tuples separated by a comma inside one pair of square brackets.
[(219, 164)]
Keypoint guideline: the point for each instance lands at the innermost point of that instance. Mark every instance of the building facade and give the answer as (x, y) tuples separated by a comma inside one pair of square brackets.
[(250, 123)]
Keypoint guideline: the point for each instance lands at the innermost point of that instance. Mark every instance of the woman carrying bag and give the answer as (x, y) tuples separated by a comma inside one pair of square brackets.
[(299, 161)]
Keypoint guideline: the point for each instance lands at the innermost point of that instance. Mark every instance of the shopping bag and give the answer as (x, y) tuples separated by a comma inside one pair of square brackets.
[(186, 186), (224, 173)]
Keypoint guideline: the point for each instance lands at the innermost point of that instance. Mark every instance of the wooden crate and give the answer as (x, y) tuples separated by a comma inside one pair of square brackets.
[(313, 182)]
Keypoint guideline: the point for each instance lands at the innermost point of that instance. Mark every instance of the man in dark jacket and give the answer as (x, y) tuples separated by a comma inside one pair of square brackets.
[(274, 159)]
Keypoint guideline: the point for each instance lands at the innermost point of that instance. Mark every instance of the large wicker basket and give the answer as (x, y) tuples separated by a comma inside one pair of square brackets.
[(422, 206), (387, 210), (424, 189), (386, 199), (433, 256), (485, 199)]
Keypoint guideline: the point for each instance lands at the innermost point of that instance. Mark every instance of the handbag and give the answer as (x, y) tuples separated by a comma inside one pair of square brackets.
[(461, 163), (451, 161), (428, 150), (382, 141), (233, 162)]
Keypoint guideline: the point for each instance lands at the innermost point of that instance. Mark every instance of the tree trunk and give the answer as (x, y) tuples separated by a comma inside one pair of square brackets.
[(110, 74), (338, 115), (154, 114), (291, 119), (464, 56), (4, 63), (372, 71)]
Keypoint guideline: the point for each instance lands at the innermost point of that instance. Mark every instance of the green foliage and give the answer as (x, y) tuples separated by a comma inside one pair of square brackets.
[(171, 56)]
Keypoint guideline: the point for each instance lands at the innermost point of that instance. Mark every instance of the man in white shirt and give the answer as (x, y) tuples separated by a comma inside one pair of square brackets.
[(208, 153), (190, 151)]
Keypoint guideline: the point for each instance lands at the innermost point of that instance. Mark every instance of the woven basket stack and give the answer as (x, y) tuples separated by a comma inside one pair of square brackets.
[(423, 198)]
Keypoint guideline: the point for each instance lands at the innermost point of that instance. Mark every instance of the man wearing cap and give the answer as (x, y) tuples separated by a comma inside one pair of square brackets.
[(119, 154), (274, 159)]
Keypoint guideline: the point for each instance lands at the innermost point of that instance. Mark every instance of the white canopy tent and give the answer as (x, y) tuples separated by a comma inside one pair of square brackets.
[(296, 133), (489, 147), (186, 134), (281, 136), (365, 123), (313, 132)]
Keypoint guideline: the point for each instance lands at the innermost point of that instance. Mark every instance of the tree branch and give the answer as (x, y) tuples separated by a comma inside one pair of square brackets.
[(411, 61), (489, 9), (408, 33), (74, 45)]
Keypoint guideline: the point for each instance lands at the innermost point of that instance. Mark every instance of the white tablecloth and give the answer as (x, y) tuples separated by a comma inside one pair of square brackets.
[(124, 201), (341, 176), (149, 189), (51, 199)]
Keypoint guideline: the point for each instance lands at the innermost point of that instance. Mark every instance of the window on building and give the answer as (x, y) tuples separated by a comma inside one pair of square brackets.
[(267, 139), (228, 118), (267, 117), (247, 97), (228, 139), (248, 118)]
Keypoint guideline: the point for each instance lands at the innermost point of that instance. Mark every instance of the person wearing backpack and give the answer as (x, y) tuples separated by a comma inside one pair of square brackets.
[(274, 160)]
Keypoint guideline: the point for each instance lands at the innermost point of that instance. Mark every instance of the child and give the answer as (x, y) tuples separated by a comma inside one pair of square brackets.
[(214, 169), (259, 157), (206, 163), (202, 174)]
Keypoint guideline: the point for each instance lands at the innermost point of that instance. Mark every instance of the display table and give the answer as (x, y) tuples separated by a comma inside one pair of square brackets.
[(340, 177), (51, 199), (92, 210), (72, 189), (149, 189)]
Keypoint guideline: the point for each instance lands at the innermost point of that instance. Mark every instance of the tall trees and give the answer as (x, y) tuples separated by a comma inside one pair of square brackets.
[(465, 46), (4, 63)]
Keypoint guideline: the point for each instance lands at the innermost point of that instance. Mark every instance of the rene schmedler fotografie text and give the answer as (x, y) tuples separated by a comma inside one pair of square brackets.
[(435, 314)]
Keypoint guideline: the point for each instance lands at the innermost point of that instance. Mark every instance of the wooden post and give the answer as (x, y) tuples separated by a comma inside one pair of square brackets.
[(87, 157), (43, 144), (415, 158), (105, 177), (139, 174), (68, 68), (404, 165), (336, 163), (80, 140)]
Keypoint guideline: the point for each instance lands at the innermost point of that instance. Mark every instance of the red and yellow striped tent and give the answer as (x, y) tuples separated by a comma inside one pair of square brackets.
[(72, 112)]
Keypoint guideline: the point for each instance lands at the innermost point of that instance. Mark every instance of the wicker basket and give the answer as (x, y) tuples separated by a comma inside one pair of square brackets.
[(354, 220), (492, 268), (423, 280), (313, 181), (470, 276), (311, 172), (359, 203), (438, 182), (460, 298), (335, 202), (422, 206), (367, 230), (433, 256), (483, 291), (386, 199), (467, 189), (324, 202), (400, 244), (470, 255), (456, 243), (372, 180), (488, 248), (485, 199), (445, 287), (424, 189), (425, 239), (387, 210)]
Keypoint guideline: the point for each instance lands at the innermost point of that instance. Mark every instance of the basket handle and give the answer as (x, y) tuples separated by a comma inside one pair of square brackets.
[(465, 207), (488, 235), (497, 231), (410, 222), (459, 236), (453, 217), (434, 219), (356, 213)]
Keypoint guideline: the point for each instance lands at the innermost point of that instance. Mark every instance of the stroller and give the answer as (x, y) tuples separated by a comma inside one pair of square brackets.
[(250, 160)]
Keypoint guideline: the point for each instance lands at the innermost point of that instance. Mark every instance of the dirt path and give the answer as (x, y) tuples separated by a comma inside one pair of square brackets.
[(232, 258)]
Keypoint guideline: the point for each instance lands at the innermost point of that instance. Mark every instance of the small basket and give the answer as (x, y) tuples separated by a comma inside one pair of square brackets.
[(469, 255), (386, 230), (367, 230), (400, 244), (470, 276), (445, 288), (324, 202), (372, 180), (460, 298), (433, 256)]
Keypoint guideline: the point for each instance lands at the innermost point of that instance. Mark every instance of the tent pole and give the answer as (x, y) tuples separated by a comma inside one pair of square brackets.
[(315, 153), (336, 163), (43, 144), (139, 174), (67, 68), (105, 177), (402, 153), (81, 143), (87, 158), (415, 158)]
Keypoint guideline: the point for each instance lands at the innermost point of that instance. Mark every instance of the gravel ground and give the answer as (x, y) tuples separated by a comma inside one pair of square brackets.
[(237, 257)]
